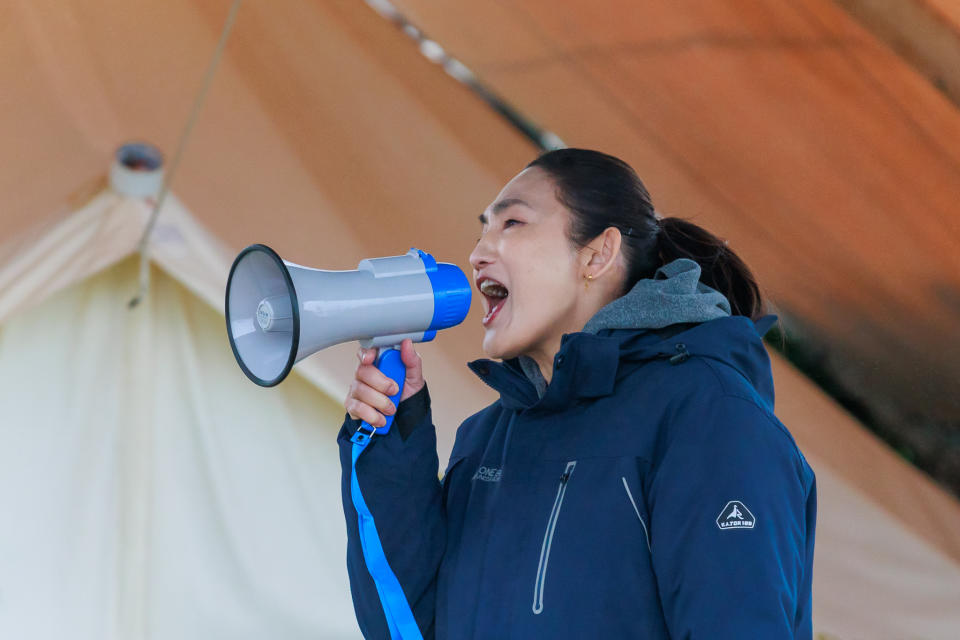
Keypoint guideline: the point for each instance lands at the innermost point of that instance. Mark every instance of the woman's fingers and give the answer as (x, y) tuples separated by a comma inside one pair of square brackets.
[(374, 378), (361, 411), (371, 397), (366, 356), (414, 378), (368, 398)]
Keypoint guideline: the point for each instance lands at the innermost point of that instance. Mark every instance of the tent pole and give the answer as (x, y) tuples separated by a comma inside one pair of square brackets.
[(144, 245)]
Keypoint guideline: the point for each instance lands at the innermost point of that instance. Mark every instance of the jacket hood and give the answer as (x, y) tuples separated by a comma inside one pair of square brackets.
[(587, 364), (733, 340), (674, 294)]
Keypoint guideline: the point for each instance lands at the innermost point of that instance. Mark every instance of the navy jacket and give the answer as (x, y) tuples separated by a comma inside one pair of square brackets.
[(650, 493)]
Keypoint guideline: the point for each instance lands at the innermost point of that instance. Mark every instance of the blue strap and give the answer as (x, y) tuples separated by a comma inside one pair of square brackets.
[(400, 620)]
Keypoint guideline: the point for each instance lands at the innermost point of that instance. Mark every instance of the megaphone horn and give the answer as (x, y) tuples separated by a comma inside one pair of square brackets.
[(278, 313)]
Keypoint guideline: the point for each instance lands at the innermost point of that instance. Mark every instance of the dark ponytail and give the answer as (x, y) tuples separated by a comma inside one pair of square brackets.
[(720, 268), (602, 191)]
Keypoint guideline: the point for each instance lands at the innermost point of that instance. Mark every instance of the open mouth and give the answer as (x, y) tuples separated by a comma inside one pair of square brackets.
[(496, 296)]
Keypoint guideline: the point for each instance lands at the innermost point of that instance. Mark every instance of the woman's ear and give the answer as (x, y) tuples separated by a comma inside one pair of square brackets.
[(605, 249)]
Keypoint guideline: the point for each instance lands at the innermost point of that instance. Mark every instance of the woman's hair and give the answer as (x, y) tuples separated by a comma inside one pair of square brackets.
[(602, 191)]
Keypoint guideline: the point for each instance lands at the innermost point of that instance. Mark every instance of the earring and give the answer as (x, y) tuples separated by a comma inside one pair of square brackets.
[(587, 279)]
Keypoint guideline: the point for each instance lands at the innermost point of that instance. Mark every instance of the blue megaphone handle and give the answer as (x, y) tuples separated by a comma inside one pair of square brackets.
[(389, 362)]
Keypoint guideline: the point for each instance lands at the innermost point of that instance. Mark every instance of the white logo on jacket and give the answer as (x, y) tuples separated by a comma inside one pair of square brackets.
[(736, 516)]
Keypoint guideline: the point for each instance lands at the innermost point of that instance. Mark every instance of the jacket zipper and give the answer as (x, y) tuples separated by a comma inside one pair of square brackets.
[(548, 538)]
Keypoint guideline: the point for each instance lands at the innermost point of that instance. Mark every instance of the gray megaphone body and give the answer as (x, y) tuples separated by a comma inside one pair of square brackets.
[(278, 313)]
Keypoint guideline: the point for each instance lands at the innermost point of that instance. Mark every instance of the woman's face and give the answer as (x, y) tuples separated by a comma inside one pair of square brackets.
[(527, 269)]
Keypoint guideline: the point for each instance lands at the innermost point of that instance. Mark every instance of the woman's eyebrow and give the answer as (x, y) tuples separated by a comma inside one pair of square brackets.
[(506, 203)]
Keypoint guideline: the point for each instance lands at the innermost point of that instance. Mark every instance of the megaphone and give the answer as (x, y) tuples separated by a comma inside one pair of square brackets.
[(278, 313)]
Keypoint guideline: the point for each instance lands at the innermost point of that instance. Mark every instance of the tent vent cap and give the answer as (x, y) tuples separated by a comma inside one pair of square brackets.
[(137, 170)]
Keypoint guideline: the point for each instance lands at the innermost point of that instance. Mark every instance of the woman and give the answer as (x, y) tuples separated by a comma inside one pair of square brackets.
[(632, 480)]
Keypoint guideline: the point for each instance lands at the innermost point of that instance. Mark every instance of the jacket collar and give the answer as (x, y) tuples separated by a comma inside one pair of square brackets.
[(586, 366)]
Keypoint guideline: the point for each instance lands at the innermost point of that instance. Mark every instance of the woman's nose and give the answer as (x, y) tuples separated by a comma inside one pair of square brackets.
[(483, 253)]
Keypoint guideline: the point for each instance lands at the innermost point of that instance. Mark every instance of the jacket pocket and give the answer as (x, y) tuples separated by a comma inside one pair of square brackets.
[(633, 503), (548, 538)]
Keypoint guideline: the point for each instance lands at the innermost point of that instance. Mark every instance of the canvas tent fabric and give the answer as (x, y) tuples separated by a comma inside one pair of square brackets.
[(925, 32), (886, 563), (149, 490), (329, 137)]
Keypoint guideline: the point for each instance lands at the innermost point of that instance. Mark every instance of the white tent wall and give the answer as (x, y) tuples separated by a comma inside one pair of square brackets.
[(148, 490), (873, 577)]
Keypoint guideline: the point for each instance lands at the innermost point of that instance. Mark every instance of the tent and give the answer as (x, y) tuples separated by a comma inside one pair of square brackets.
[(329, 137), (147, 489)]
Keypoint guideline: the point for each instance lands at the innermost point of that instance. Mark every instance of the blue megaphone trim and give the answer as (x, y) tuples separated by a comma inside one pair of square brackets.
[(451, 293)]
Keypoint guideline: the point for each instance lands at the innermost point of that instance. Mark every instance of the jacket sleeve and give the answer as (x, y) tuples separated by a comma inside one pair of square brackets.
[(732, 510), (397, 474)]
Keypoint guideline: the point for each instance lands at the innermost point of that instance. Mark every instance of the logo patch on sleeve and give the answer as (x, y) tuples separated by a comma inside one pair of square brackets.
[(736, 516)]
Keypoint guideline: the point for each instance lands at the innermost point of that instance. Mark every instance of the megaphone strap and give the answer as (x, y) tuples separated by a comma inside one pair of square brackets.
[(396, 609), (362, 436)]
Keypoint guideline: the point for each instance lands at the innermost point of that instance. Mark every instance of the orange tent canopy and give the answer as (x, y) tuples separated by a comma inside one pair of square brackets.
[(788, 128)]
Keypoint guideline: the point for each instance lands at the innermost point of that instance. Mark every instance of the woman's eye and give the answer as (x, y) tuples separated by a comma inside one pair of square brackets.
[(510, 223)]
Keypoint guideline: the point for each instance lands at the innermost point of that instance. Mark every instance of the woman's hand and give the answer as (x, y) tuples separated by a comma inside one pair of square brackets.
[(369, 395)]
